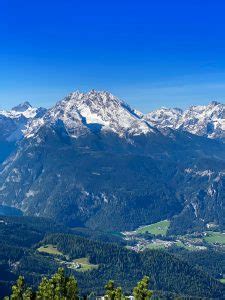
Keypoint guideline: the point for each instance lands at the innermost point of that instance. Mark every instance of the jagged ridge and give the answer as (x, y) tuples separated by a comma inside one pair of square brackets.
[(93, 111), (204, 120)]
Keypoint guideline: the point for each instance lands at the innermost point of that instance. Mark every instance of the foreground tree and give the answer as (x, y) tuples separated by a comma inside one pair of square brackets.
[(58, 282), (58, 287), (141, 291), (28, 294), (45, 290), (113, 292), (61, 287), (20, 291), (72, 289)]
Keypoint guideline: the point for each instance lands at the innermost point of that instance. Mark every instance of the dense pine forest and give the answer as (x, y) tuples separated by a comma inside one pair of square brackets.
[(24, 253)]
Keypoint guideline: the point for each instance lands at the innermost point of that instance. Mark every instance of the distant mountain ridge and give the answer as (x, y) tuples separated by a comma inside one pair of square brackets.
[(93, 160), (80, 111), (13, 123), (22, 107), (204, 120)]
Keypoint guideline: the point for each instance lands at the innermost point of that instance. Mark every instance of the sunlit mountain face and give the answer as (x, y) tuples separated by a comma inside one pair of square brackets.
[(93, 160)]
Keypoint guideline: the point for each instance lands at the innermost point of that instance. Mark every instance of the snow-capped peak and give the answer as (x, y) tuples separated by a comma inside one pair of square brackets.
[(164, 117), (22, 110), (22, 107), (15, 121), (206, 120), (94, 110)]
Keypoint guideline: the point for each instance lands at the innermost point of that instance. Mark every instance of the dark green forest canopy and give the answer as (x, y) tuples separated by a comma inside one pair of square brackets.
[(25, 234)]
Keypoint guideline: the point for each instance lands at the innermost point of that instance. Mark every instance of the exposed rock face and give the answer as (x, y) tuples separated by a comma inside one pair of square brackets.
[(92, 160)]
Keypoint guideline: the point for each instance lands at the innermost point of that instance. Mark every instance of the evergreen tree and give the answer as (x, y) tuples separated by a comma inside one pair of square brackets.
[(72, 289), (141, 291), (28, 294), (58, 287), (113, 293), (45, 290), (20, 292), (118, 294), (61, 287), (58, 282), (18, 289)]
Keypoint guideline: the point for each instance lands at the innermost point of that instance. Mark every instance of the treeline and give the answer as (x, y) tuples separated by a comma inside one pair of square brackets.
[(62, 287)]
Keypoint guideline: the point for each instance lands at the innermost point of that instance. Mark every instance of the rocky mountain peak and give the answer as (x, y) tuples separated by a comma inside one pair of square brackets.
[(214, 103), (22, 107), (15, 121), (94, 111)]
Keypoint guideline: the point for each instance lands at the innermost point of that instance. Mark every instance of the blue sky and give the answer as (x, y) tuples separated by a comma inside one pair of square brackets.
[(149, 53)]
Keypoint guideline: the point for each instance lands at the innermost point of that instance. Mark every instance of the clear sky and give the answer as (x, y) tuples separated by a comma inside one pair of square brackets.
[(150, 53)]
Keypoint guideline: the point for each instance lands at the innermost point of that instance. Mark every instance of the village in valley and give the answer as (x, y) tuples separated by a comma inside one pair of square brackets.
[(155, 236)]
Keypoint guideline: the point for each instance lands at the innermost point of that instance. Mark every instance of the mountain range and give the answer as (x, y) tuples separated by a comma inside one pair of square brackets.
[(91, 160), (205, 120), (13, 123)]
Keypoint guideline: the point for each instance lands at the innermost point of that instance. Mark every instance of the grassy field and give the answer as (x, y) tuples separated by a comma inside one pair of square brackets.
[(80, 264), (156, 246), (186, 246), (84, 263), (49, 249), (222, 280), (159, 228), (215, 238)]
